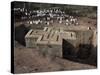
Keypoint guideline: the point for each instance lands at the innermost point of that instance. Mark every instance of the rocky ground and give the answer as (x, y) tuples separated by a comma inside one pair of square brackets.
[(28, 60)]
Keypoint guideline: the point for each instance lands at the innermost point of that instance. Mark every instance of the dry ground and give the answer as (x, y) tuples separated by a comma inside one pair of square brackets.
[(31, 60)]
